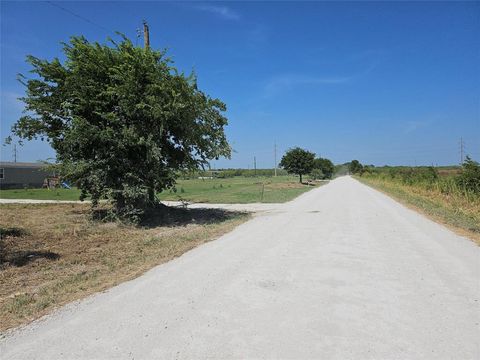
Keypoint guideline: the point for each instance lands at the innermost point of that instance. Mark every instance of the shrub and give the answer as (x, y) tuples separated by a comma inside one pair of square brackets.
[(469, 178), (317, 174)]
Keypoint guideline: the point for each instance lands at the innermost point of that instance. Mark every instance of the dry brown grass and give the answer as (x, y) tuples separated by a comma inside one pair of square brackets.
[(291, 185), (449, 172), (460, 214), (53, 254), (282, 186)]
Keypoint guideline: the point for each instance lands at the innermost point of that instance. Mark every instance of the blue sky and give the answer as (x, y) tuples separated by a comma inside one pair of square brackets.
[(382, 82)]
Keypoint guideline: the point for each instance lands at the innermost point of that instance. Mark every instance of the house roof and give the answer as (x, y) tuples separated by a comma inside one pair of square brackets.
[(8, 164)]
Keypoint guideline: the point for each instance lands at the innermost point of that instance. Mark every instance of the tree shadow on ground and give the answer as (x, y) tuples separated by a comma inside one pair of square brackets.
[(171, 216), (22, 258), (307, 183), (12, 231), (164, 215), (19, 258)]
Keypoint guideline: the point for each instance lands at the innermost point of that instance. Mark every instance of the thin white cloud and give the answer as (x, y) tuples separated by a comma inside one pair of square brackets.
[(258, 35), (411, 126), (220, 10), (285, 82)]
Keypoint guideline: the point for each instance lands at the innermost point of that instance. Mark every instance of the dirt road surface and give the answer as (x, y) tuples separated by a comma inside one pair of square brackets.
[(342, 272)]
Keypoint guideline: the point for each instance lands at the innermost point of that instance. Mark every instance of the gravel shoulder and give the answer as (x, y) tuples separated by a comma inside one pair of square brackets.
[(341, 272)]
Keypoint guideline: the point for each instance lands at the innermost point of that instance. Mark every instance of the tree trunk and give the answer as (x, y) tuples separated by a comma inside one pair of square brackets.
[(119, 204), (300, 178), (151, 194)]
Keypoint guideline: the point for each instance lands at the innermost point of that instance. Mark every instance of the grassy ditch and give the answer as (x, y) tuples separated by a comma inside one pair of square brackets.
[(457, 209), (53, 254)]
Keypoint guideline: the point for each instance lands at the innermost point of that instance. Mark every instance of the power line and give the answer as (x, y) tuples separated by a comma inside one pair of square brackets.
[(78, 16)]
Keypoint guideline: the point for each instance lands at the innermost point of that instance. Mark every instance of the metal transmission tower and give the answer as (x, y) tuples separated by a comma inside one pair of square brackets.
[(14, 153), (462, 149), (275, 156)]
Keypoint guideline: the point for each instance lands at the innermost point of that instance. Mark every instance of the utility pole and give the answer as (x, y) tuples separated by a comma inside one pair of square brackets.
[(462, 150), (146, 35), (14, 153), (275, 152), (255, 165)]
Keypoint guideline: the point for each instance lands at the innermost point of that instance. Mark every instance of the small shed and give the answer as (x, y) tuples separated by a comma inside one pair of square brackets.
[(17, 175)]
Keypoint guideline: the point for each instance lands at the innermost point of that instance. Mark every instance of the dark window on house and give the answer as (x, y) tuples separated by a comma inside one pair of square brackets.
[(2, 173)]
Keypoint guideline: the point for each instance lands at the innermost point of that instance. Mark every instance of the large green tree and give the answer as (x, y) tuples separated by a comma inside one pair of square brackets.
[(122, 120), (325, 166), (298, 161)]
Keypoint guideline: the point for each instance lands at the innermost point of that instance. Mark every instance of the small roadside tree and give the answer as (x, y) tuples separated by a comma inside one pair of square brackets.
[(325, 166), (469, 178), (122, 120), (355, 167), (298, 161), (317, 174)]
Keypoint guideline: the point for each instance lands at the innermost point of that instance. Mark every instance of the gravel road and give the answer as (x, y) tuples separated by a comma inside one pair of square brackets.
[(342, 272)]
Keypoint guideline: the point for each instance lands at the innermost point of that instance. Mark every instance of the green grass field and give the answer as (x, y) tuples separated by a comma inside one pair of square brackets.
[(230, 190), (41, 194)]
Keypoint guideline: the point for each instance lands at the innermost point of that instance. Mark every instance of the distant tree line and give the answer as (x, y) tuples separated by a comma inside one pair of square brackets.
[(229, 173), (295, 161), (465, 179)]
